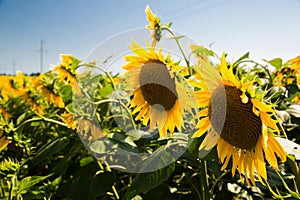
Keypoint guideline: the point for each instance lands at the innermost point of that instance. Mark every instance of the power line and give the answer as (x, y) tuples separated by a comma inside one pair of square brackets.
[(183, 7), (203, 9)]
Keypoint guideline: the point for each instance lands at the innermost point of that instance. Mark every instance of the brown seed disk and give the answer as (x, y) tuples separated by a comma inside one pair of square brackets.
[(157, 86), (242, 127)]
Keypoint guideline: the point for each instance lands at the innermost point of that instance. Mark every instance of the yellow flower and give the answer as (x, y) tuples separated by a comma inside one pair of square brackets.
[(4, 113), (48, 94), (154, 25), (89, 129), (64, 74), (3, 141), (295, 63), (69, 120), (67, 69), (246, 136), (295, 66), (158, 96)]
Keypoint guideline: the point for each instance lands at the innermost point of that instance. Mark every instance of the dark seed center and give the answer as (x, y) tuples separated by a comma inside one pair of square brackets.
[(242, 127), (157, 86)]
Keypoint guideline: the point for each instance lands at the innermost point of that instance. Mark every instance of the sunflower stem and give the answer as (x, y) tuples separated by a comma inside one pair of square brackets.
[(281, 127), (180, 48), (203, 180), (262, 66), (116, 101), (101, 69), (215, 183), (42, 118)]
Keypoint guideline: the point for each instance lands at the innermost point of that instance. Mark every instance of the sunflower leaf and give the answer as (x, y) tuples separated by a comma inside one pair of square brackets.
[(144, 182), (276, 62), (203, 50), (246, 55)]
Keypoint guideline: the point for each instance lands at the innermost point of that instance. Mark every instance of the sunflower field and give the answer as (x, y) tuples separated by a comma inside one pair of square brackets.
[(197, 127)]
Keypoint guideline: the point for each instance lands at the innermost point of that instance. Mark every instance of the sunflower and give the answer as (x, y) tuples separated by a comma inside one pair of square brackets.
[(88, 128), (68, 118), (48, 94), (154, 26), (289, 74), (245, 133), (158, 95), (3, 141)]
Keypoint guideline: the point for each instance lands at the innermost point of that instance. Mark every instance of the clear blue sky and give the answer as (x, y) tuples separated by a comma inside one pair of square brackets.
[(266, 28)]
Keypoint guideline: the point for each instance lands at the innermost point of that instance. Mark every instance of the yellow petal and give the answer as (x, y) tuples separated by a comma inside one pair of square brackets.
[(276, 146), (251, 167), (202, 126), (261, 106), (227, 74), (223, 149), (209, 141), (226, 162), (259, 160), (270, 157), (268, 121), (235, 160)]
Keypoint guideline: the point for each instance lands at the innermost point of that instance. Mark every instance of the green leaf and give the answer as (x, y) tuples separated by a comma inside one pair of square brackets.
[(86, 160), (30, 181), (203, 50), (177, 37), (106, 90), (246, 55), (276, 62), (146, 181), (100, 184), (49, 149), (35, 123), (21, 118), (143, 182), (137, 134)]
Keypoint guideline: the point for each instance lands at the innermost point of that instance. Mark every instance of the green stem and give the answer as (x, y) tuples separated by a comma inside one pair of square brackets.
[(11, 189), (216, 181), (294, 194), (180, 48), (196, 190), (264, 67), (116, 101), (42, 118), (204, 181), (281, 127), (101, 69)]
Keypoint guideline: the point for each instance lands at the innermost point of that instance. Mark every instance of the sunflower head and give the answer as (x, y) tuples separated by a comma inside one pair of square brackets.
[(154, 25), (158, 95), (4, 141), (289, 74), (245, 134)]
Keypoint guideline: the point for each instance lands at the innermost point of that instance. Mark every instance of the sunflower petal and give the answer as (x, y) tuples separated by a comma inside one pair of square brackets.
[(227, 74), (261, 106), (202, 126), (268, 121), (277, 148), (259, 160)]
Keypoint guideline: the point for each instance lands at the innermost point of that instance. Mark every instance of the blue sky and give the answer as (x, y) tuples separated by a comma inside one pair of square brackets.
[(266, 28)]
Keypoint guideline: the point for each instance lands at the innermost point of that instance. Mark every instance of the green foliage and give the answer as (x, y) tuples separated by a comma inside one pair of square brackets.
[(45, 142)]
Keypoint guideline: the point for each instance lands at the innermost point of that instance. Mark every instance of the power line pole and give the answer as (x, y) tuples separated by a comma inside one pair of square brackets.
[(42, 51)]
